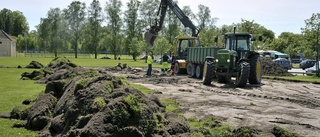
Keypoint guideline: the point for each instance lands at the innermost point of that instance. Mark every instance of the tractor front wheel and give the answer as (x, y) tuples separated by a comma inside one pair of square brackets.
[(208, 72), (243, 74)]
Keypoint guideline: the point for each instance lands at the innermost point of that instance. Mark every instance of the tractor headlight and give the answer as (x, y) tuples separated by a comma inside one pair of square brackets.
[(228, 60), (217, 60)]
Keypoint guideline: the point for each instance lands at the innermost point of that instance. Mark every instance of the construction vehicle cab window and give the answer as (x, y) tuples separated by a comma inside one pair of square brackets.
[(184, 44)]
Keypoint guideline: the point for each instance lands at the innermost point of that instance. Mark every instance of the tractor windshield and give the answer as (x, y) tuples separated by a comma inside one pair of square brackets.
[(240, 43)]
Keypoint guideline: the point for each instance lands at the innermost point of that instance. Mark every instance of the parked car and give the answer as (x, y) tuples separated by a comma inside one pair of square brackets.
[(143, 57), (158, 60), (312, 70), (284, 63), (307, 63)]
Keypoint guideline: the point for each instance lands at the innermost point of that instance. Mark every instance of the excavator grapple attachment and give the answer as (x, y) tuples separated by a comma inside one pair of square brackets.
[(150, 37)]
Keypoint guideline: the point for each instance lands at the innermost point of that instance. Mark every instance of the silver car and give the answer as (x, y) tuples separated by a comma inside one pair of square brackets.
[(311, 71)]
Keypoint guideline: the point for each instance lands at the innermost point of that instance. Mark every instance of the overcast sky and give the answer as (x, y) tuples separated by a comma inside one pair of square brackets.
[(276, 15)]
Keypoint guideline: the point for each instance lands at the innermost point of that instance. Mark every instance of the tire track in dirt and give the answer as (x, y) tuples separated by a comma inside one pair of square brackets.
[(286, 104)]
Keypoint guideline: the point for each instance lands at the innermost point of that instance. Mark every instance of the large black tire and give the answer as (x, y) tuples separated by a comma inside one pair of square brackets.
[(208, 72), (243, 74), (223, 79), (199, 71), (255, 75), (178, 70)]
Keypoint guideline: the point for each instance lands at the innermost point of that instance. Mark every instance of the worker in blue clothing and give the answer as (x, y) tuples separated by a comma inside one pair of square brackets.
[(165, 65)]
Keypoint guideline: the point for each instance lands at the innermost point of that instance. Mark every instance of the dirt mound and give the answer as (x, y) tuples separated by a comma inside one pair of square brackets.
[(35, 64), (271, 68), (84, 102), (58, 65), (34, 75)]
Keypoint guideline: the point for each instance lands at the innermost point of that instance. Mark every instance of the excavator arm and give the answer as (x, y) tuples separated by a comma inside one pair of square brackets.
[(151, 35)]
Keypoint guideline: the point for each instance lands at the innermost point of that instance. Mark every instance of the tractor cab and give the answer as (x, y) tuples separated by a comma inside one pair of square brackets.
[(237, 46)]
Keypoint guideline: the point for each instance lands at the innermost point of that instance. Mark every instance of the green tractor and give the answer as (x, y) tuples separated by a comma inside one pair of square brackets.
[(237, 60)]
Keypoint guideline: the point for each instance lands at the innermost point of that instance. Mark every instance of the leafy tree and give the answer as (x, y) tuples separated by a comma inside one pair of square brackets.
[(187, 11), (135, 48), (14, 23), (207, 36), (21, 42), (204, 17), (148, 12), (247, 26), (55, 22), (93, 28), (19, 24), (6, 21), (113, 10), (311, 31), (132, 32), (171, 30), (288, 42), (75, 16), (26, 42), (43, 33), (162, 45)]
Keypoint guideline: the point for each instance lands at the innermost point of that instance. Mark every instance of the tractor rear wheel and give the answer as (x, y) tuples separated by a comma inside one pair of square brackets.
[(208, 72), (255, 70), (243, 74)]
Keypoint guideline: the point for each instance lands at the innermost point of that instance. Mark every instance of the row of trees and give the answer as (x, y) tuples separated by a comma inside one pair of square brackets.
[(99, 28)]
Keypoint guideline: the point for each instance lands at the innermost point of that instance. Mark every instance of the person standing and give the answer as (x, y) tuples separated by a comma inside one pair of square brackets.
[(173, 57), (149, 61), (165, 65)]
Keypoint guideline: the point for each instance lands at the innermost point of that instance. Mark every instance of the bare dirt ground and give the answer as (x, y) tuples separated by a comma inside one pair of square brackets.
[(290, 105)]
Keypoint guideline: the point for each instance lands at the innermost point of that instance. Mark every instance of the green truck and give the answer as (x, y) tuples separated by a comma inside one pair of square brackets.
[(237, 60)]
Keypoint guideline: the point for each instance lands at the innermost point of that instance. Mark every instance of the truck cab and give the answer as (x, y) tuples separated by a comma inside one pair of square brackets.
[(181, 48)]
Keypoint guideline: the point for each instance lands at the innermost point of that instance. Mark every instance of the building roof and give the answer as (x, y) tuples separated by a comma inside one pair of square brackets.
[(5, 35)]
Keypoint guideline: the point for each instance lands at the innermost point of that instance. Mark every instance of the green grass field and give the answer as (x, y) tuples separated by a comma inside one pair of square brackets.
[(12, 92), (297, 78)]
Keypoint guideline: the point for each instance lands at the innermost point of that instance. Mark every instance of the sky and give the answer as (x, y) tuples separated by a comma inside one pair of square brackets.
[(276, 15)]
